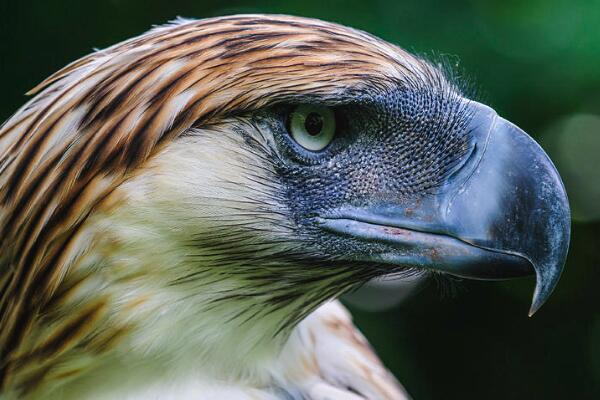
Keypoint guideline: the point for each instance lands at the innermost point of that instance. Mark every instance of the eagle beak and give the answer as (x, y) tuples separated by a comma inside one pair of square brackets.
[(502, 213)]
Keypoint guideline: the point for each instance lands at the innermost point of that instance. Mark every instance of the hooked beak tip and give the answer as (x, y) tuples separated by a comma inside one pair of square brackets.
[(535, 305), (544, 287)]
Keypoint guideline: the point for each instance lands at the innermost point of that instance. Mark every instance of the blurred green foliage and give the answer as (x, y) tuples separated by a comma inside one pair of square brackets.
[(537, 62)]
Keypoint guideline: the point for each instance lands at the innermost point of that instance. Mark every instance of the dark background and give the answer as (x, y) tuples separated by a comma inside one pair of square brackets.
[(536, 62)]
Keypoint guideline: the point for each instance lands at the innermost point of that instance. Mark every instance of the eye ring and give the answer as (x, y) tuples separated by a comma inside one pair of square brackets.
[(312, 127)]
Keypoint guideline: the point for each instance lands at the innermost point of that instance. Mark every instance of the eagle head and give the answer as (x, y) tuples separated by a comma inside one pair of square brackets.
[(190, 195)]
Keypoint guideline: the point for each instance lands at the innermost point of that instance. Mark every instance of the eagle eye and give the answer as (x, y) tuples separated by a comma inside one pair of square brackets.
[(312, 127)]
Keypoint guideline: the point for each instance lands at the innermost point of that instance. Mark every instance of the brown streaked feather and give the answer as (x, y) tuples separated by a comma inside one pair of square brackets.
[(94, 123)]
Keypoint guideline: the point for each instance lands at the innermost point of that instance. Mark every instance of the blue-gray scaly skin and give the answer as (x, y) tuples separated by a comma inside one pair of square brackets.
[(395, 146)]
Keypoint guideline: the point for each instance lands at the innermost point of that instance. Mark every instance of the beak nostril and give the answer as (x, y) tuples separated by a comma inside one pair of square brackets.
[(464, 162)]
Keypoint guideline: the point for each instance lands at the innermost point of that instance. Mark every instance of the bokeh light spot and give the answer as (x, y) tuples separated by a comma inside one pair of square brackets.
[(573, 143)]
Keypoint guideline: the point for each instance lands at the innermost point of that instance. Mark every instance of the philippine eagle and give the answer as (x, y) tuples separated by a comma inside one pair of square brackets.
[(179, 212)]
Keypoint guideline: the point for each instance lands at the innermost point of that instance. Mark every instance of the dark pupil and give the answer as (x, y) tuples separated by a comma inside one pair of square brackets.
[(313, 123)]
